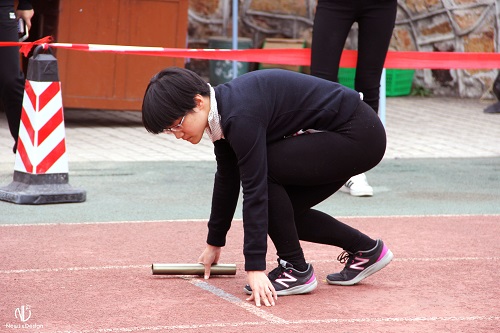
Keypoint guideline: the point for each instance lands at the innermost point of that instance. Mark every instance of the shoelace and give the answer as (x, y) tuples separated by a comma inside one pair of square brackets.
[(344, 257), (276, 273)]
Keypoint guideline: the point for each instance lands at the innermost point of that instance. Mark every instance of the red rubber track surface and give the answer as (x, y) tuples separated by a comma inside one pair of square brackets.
[(97, 277)]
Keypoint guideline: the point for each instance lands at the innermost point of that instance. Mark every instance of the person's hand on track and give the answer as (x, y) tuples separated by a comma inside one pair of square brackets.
[(262, 289), (209, 256)]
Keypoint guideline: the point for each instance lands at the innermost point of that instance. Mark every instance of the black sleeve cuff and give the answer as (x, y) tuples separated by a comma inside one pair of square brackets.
[(255, 262), (24, 5), (216, 237)]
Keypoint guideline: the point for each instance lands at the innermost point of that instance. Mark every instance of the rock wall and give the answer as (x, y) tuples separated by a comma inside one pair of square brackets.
[(421, 25)]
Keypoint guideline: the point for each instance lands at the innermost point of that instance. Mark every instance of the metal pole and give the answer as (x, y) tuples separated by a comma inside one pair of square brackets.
[(192, 269), (382, 102), (235, 36)]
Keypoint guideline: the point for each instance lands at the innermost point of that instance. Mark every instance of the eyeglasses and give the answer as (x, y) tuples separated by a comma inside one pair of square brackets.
[(176, 128)]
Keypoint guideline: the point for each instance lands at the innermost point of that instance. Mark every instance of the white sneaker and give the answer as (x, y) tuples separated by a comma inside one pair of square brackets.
[(358, 186)]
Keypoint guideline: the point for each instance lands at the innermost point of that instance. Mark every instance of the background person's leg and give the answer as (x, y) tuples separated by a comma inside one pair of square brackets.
[(11, 77), (332, 23), (376, 24)]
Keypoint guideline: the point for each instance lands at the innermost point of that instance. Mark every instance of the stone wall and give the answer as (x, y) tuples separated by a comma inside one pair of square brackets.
[(421, 25)]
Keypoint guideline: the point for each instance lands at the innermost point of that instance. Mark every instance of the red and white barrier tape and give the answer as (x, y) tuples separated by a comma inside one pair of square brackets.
[(298, 57)]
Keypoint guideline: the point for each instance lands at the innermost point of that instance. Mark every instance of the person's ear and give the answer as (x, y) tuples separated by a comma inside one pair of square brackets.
[(199, 101)]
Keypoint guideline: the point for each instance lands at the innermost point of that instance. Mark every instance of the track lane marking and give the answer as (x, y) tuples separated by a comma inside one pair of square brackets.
[(294, 322), (238, 302), (109, 267), (238, 220)]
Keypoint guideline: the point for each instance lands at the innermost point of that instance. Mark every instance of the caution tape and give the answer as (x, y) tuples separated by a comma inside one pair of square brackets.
[(297, 57)]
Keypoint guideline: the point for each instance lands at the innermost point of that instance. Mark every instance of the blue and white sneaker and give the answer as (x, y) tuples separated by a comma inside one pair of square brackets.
[(360, 265), (289, 281)]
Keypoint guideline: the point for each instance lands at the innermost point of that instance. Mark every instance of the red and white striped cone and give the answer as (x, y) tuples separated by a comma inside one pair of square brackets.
[(41, 166)]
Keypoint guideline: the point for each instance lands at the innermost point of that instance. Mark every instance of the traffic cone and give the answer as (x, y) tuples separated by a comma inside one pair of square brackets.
[(41, 165)]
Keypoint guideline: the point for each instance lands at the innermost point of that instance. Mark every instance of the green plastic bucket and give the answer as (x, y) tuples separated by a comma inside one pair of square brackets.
[(398, 81), (221, 71)]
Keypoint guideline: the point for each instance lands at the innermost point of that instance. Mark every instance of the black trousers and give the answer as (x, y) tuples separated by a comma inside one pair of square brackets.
[(11, 76), (332, 23), (307, 169)]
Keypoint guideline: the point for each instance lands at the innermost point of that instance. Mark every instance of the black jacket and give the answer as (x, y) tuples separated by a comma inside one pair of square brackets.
[(23, 4), (257, 109)]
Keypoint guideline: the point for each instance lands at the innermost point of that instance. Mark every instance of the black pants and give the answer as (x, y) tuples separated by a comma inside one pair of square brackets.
[(332, 23), (11, 76), (307, 169)]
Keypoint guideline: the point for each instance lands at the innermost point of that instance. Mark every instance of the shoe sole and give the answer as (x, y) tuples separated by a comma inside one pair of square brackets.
[(302, 289), (362, 193), (367, 272), (366, 193)]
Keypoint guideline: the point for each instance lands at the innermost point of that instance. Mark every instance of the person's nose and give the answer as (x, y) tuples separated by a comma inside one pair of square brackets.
[(179, 135)]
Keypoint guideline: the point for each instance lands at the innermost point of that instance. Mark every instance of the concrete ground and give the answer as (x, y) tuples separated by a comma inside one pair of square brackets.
[(443, 157)]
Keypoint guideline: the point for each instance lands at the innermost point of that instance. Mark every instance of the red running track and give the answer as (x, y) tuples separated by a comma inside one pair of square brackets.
[(97, 278)]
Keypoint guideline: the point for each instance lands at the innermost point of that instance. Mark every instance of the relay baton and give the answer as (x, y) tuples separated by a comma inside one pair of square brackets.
[(192, 269)]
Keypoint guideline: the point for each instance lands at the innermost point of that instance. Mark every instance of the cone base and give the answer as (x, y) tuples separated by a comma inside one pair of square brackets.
[(40, 189)]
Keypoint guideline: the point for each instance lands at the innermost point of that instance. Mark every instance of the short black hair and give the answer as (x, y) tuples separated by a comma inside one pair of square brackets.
[(170, 96)]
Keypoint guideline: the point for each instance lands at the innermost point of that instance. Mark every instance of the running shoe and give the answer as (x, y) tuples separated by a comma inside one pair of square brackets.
[(360, 265), (289, 281), (358, 186)]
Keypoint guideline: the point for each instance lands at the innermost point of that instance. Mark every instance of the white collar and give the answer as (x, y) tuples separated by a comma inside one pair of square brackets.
[(214, 129)]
